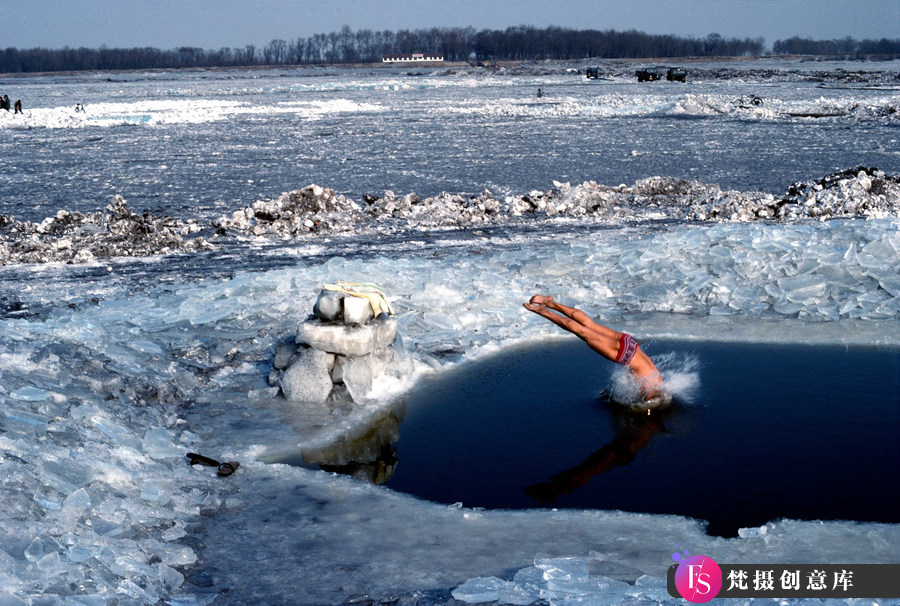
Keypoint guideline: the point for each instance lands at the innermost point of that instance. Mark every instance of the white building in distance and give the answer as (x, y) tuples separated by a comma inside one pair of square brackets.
[(412, 58)]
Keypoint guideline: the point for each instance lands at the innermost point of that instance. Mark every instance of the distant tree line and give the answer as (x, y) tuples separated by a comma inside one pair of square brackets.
[(843, 47), (455, 44)]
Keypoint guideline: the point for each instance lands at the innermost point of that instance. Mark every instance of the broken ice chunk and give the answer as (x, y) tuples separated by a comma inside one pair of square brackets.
[(171, 554), (358, 373), (67, 476), (169, 577), (145, 594), (479, 589), (357, 310), (563, 569), (308, 378), (349, 340), (38, 548), (49, 565), (30, 394), (329, 306), (22, 423), (803, 289), (158, 444)]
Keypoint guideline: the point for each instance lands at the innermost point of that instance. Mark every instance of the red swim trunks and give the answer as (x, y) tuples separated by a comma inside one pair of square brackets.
[(627, 348)]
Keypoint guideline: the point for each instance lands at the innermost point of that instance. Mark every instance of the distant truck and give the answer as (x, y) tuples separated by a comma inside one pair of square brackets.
[(652, 74), (647, 75), (676, 74), (592, 73)]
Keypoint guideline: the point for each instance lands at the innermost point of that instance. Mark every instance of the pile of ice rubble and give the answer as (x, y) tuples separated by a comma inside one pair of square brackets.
[(561, 581), (865, 192), (99, 502), (75, 237), (339, 352)]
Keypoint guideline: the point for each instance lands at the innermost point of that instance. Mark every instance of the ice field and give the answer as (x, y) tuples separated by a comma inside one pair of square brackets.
[(133, 335)]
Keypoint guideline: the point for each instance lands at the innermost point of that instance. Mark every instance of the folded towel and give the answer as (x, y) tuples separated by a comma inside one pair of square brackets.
[(373, 293)]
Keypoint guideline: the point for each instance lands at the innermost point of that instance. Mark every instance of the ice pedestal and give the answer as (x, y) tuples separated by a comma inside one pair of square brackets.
[(344, 345)]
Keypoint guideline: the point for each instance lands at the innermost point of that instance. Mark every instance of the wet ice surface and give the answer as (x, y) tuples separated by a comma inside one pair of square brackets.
[(113, 369)]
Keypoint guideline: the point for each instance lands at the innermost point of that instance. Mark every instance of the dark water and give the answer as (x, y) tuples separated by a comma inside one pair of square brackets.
[(775, 431)]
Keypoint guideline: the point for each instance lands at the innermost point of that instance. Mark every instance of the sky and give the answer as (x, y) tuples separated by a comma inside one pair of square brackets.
[(213, 24)]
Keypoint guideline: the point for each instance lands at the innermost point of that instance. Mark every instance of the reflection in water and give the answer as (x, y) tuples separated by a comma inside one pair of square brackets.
[(634, 429), (492, 428), (368, 455)]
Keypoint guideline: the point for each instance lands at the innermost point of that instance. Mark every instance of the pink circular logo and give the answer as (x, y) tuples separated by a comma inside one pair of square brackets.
[(698, 579)]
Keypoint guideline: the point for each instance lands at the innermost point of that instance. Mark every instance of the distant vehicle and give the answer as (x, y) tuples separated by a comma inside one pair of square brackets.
[(676, 74), (647, 75), (592, 73)]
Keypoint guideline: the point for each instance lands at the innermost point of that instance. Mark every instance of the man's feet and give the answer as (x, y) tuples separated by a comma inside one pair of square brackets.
[(542, 299), (538, 308)]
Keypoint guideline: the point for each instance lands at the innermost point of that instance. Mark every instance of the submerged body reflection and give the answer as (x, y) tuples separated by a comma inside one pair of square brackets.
[(634, 430)]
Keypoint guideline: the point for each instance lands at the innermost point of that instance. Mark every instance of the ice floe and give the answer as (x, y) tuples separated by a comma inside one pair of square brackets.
[(74, 237)]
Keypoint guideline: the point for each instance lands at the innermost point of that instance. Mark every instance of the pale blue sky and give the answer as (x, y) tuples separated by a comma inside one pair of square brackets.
[(212, 24)]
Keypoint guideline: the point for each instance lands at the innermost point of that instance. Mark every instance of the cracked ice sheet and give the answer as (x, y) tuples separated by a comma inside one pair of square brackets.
[(340, 539), (289, 523)]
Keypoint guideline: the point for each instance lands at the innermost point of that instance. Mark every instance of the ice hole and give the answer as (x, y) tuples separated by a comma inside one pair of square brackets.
[(773, 431)]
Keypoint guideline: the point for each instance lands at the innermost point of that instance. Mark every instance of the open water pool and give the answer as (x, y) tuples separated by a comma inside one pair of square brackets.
[(767, 432)]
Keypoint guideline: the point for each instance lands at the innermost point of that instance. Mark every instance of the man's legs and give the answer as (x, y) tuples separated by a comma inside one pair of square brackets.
[(577, 315), (601, 339)]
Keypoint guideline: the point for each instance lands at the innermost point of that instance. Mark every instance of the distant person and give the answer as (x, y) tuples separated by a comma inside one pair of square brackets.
[(618, 347), (79, 108), (540, 93), (4, 103), (18, 106)]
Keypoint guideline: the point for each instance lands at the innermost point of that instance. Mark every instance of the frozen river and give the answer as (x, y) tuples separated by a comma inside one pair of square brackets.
[(113, 367), (214, 141)]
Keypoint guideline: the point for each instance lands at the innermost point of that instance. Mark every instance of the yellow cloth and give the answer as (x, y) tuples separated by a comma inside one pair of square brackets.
[(373, 293)]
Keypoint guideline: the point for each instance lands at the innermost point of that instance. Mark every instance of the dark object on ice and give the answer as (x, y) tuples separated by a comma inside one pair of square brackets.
[(198, 458), (18, 106), (592, 73), (201, 578), (676, 74), (647, 75), (746, 101), (540, 93), (226, 469), (801, 190)]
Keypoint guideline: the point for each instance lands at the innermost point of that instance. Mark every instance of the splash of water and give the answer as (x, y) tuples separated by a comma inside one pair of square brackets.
[(680, 379)]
